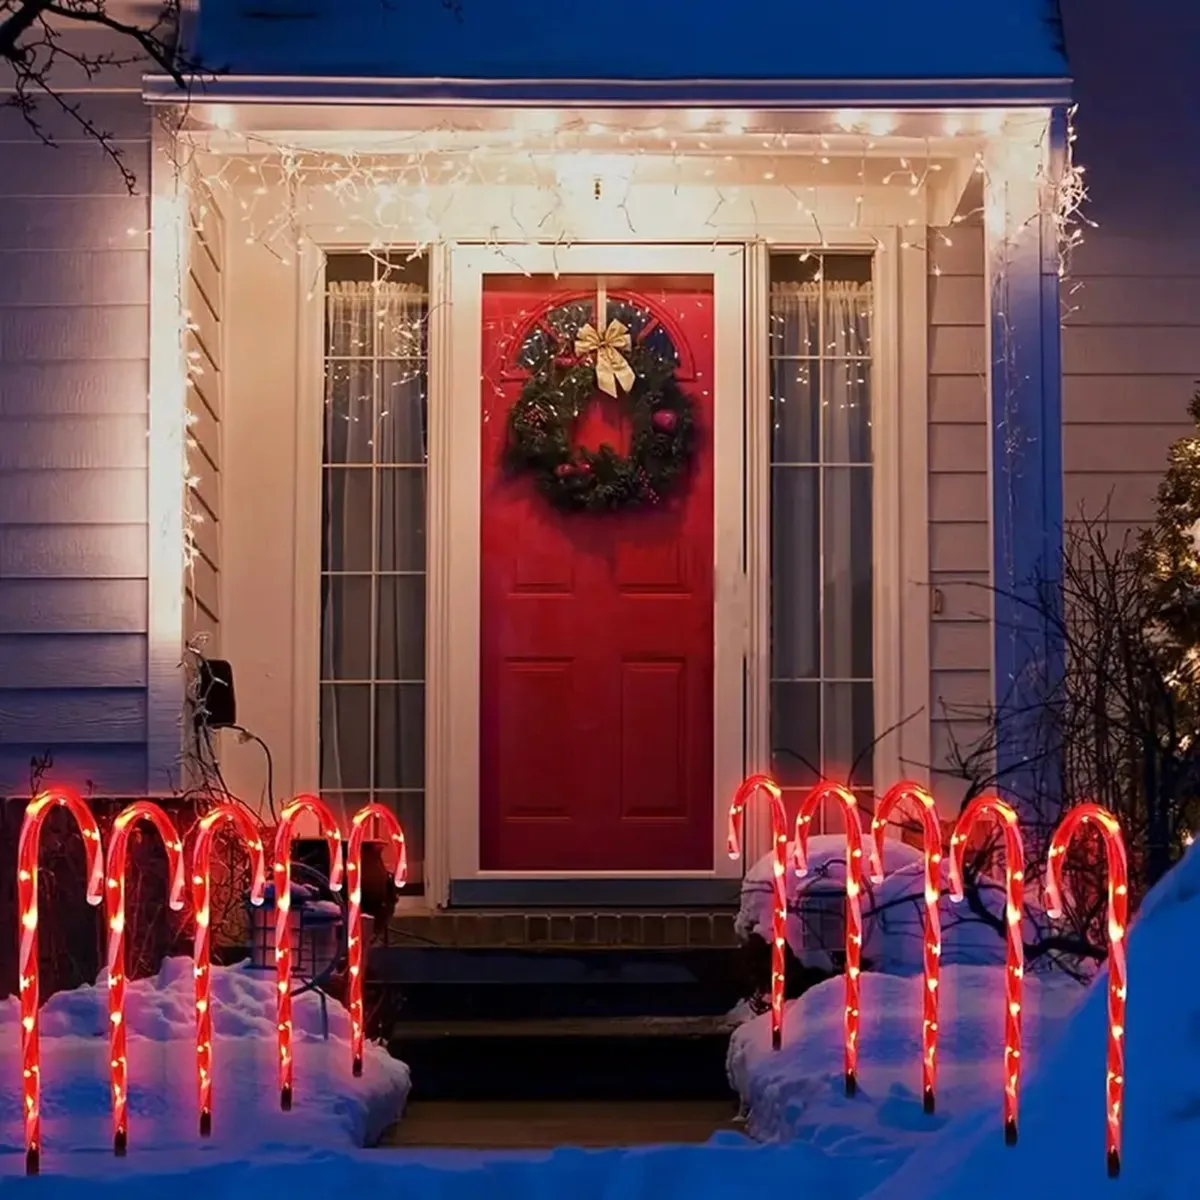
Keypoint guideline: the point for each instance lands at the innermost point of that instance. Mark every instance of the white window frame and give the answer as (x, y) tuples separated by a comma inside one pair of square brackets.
[(900, 504)]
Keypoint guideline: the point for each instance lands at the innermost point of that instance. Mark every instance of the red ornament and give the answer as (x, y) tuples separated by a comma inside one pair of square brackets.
[(665, 420), (583, 468), (564, 469)]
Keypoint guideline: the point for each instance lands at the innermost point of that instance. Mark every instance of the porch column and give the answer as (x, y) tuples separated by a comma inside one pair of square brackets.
[(1025, 440)]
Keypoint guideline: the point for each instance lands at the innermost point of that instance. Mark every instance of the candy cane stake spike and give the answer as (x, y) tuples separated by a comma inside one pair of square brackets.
[(931, 835), (764, 785), (1014, 972), (854, 840), (283, 907), (1118, 923), (242, 822), (359, 825), (27, 907), (118, 853)]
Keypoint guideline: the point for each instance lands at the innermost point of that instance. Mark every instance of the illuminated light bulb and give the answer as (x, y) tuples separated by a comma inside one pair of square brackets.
[(854, 836), (235, 815), (764, 785), (1014, 857), (1118, 917), (28, 846), (288, 819), (359, 825), (118, 853), (931, 836)]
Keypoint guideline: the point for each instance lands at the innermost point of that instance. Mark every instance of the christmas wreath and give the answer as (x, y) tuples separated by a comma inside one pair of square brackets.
[(662, 418)]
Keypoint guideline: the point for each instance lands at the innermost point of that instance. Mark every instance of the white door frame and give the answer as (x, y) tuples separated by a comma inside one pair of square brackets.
[(452, 673)]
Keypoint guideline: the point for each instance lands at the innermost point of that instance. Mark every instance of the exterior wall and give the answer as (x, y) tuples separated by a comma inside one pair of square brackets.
[(205, 350), (1131, 347), (74, 342), (960, 683)]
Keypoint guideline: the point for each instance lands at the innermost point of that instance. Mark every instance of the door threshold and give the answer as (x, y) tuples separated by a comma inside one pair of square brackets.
[(594, 893)]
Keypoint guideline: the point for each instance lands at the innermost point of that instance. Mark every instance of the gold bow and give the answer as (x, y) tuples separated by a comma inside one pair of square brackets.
[(611, 367)]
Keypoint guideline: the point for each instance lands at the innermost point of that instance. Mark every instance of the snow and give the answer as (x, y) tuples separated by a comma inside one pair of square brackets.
[(798, 1091), (893, 911), (1061, 1147), (670, 40), (332, 1110)]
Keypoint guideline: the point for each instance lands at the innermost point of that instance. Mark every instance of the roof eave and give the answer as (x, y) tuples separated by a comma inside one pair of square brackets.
[(681, 93)]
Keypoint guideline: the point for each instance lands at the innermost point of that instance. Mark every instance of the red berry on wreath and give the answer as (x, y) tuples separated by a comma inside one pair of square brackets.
[(583, 468), (665, 420), (563, 470)]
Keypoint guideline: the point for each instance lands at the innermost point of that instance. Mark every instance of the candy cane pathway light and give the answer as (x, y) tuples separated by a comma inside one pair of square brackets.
[(854, 839), (118, 853), (283, 908), (1118, 923), (931, 836), (1014, 900), (359, 825), (764, 785), (27, 907), (235, 815)]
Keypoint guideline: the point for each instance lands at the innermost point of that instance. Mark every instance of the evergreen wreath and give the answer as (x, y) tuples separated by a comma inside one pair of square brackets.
[(662, 443)]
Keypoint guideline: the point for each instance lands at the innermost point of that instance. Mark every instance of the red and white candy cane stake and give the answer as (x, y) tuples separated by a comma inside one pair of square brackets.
[(283, 908), (764, 785), (1014, 901), (244, 824), (931, 836), (854, 838), (27, 908), (118, 853), (1118, 923), (359, 825)]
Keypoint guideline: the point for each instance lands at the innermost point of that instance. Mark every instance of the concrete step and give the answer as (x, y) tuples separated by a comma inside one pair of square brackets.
[(568, 1060)]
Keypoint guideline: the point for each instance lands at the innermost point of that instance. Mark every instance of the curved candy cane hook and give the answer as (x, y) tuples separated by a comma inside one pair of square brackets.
[(1118, 923), (283, 906), (1014, 891), (764, 785), (240, 819), (118, 853), (931, 834), (27, 906), (359, 825), (854, 838)]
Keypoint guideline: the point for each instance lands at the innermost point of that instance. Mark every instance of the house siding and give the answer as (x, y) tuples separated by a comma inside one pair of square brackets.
[(205, 350), (1131, 341), (960, 655), (74, 342)]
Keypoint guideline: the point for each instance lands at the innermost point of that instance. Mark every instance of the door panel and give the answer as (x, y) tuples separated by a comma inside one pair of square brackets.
[(596, 634)]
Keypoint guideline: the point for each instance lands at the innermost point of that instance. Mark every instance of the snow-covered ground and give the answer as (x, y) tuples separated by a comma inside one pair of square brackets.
[(332, 1110), (798, 1092)]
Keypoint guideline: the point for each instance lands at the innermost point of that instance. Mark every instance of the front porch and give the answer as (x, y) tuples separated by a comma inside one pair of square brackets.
[(337, 510)]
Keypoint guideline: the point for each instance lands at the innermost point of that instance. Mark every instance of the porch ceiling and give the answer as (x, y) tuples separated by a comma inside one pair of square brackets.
[(672, 51)]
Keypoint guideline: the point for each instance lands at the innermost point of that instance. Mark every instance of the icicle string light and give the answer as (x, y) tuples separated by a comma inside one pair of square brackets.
[(283, 909), (854, 928), (355, 956), (1014, 895), (931, 836), (27, 907), (235, 815), (764, 785), (118, 853), (1118, 924)]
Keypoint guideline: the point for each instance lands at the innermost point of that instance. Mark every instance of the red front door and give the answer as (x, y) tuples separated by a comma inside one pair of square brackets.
[(596, 654)]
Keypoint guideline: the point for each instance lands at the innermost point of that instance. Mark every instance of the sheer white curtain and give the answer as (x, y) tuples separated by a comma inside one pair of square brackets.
[(821, 346), (372, 626)]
